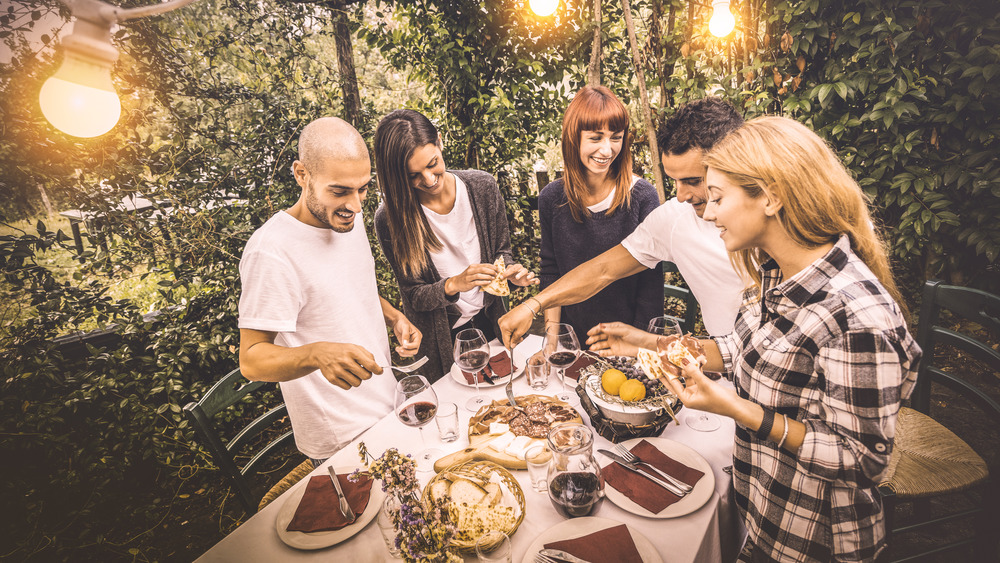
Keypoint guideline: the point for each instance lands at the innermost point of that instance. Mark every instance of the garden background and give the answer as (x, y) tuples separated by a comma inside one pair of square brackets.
[(99, 463)]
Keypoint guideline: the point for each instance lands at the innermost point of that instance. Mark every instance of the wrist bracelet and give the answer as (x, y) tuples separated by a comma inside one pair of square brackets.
[(539, 303), (765, 425), (784, 433), (533, 312)]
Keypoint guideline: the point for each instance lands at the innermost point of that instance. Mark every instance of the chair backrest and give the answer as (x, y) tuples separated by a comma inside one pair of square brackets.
[(685, 295), (224, 394), (964, 303)]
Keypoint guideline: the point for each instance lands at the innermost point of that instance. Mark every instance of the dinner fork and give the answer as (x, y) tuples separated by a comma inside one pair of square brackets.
[(632, 458), (557, 556), (410, 368)]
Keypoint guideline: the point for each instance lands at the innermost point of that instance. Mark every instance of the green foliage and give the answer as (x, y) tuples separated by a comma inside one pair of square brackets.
[(906, 93)]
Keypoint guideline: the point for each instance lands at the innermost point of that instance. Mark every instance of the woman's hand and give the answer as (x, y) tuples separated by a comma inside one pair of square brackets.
[(408, 336), (519, 275), (701, 393), (476, 275), (618, 339), (515, 324)]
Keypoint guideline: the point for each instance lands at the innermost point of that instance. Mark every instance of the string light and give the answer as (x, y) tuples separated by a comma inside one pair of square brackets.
[(543, 8), (722, 22)]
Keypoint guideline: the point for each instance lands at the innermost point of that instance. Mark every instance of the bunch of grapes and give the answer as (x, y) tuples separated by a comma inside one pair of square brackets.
[(628, 366)]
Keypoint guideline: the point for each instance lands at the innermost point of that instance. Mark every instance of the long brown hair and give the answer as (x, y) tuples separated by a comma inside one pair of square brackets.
[(820, 199), (594, 108), (397, 136)]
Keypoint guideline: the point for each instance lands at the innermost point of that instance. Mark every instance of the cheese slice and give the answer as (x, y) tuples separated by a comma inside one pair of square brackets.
[(519, 446), (499, 428), (500, 444)]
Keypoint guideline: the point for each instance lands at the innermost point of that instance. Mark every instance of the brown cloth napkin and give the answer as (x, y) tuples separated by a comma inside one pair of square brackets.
[(319, 510), (481, 374), (645, 492), (501, 364), (573, 371), (610, 545)]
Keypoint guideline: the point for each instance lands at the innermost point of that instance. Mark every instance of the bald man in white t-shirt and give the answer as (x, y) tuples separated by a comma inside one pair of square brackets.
[(674, 232), (310, 314)]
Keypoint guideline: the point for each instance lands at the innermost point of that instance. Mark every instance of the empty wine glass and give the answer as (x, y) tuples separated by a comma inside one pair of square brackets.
[(472, 353), (670, 326), (416, 404), (561, 349)]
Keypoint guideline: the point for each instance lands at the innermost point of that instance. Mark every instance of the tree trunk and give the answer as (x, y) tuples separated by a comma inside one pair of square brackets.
[(654, 153), (345, 62), (594, 70), (45, 200)]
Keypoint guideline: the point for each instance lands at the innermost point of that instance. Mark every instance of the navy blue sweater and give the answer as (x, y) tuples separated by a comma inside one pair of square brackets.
[(566, 244)]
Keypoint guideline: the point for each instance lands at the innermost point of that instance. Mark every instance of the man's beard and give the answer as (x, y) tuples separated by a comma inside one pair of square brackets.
[(321, 214)]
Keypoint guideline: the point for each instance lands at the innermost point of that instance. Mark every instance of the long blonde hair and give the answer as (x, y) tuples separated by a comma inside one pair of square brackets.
[(820, 199)]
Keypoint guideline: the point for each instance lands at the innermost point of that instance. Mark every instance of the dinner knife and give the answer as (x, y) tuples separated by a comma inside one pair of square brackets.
[(636, 469), (345, 507)]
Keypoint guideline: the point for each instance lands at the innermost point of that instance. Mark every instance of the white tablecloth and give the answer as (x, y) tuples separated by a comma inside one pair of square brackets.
[(710, 534)]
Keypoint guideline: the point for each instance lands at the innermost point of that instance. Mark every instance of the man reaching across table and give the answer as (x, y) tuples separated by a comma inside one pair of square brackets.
[(674, 232), (310, 314)]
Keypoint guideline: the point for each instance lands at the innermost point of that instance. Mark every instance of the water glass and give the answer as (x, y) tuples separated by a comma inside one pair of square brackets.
[(537, 371), (447, 422), (385, 525), (498, 554), (537, 459)]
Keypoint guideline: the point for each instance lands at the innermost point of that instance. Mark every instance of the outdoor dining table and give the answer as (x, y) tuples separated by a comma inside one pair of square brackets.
[(710, 534)]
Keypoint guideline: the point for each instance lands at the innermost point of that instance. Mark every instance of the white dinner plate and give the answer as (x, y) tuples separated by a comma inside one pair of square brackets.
[(319, 540), (694, 500), (576, 527), (521, 356)]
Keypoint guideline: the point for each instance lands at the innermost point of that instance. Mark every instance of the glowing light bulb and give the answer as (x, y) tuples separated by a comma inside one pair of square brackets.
[(79, 99), (722, 22), (543, 8)]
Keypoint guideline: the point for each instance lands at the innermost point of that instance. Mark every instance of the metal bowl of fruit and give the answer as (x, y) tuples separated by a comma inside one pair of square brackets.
[(623, 393)]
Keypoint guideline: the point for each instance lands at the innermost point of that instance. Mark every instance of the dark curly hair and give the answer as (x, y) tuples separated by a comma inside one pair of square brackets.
[(699, 125)]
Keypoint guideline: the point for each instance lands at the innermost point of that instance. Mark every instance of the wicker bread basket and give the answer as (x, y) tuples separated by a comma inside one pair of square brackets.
[(481, 471)]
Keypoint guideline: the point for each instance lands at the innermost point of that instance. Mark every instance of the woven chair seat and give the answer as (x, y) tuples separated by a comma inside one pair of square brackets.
[(929, 460), (293, 476)]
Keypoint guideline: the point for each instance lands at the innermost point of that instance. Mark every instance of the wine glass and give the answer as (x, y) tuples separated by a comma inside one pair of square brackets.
[(668, 326), (561, 349), (416, 404), (472, 353)]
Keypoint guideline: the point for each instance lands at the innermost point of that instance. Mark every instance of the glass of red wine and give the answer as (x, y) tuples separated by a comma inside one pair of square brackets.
[(561, 349), (416, 404), (472, 353)]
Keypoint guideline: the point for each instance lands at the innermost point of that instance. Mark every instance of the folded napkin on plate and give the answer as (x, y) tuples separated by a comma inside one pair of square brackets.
[(573, 371), (609, 544), (501, 364), (319, 509), (642, 491), (481, 374)]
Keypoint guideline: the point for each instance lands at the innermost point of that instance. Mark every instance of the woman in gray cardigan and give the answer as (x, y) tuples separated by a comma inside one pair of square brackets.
[(441, 232)]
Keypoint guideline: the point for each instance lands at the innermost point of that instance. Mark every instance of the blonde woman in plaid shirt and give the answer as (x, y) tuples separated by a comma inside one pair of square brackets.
[(820, 355)]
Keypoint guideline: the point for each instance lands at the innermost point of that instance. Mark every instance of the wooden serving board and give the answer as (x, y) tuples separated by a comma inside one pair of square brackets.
[(478, 443)]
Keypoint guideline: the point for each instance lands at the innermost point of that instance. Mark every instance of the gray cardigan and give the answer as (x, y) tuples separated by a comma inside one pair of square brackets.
[(424, 300)]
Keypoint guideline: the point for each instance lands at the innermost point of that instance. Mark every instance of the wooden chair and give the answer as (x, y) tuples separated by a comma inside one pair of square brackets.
[(224, 394), (928, 460), (685, 295)]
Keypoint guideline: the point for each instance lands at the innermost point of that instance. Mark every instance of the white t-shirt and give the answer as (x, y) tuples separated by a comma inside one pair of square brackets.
[(457, 232), (673, 232), (310, 284)]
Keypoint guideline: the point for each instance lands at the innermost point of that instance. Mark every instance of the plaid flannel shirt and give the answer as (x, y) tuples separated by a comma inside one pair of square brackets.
[(828, 347)]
